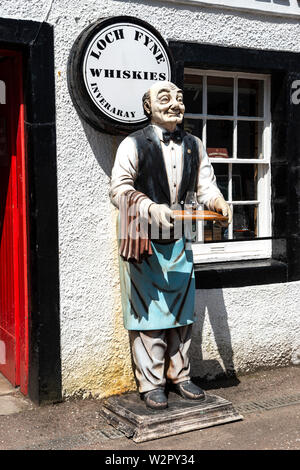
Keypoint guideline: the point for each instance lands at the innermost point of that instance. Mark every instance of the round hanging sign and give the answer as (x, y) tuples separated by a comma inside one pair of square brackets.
[(112, 64)]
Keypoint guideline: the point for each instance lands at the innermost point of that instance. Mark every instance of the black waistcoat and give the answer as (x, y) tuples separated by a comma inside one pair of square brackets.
[(152, 177)]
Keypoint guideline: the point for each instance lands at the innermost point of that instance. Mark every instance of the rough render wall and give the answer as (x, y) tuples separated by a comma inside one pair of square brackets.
[(253, 327)]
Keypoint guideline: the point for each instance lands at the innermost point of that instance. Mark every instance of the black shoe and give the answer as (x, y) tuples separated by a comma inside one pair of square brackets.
[(189, 390), (155, 399)]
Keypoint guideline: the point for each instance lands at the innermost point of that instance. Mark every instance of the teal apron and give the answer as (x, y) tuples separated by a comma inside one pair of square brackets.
[(159, 293)]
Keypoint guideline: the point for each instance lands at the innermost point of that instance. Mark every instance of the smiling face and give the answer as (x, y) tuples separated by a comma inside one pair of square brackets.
[(166, 105)]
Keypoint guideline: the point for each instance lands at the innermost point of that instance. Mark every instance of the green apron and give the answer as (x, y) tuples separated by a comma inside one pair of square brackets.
[(159, 293)]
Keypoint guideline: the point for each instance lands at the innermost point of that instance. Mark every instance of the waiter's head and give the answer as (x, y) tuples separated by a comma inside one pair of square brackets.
[(163, 104)]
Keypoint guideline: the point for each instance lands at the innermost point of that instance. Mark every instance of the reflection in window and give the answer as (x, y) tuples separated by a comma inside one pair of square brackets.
[(2, 92), (244, 182), (250, 139), (220, 135), (220, 96), (193, 94), (3, 142), (245, 219), (194, 126), (250, 97), (214, 232), (221, 173), (245, 222)]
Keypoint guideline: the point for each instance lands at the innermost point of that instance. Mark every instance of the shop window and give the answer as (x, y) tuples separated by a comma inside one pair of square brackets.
[(230, 112)]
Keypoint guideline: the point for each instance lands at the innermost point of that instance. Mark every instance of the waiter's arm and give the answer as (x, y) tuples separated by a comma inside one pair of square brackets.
[(124, 173)]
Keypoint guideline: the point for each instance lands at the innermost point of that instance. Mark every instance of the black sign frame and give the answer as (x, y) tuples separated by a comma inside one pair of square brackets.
[(83, 103)]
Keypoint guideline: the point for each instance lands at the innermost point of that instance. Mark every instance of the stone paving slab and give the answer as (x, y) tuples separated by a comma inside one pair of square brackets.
[(11, 399), (10, 405), (5, 387)]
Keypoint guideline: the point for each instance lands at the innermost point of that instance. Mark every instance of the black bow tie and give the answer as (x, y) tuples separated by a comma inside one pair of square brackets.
[(167, 136)]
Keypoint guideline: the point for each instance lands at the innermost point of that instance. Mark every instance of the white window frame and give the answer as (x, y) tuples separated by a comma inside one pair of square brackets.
[(248, 249)]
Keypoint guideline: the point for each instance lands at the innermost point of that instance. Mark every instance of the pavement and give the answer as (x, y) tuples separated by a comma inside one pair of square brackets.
[(269, 401)]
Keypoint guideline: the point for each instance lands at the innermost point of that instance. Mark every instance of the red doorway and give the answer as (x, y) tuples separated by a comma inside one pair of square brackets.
[(13, 225)]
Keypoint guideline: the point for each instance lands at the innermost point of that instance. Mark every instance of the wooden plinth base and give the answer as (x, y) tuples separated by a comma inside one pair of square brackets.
[(128, 414)]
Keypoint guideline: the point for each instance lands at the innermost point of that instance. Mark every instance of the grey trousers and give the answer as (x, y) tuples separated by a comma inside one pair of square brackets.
[(159, 355)]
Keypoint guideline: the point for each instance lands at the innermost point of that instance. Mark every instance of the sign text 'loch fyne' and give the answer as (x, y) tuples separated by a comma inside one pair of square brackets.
[(111, 65)]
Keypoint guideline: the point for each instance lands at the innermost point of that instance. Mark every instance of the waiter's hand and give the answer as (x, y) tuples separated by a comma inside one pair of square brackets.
[(162, 215), (220, 205)]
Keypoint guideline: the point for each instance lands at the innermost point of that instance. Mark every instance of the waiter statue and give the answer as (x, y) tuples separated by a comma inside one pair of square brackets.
[(154, 169)]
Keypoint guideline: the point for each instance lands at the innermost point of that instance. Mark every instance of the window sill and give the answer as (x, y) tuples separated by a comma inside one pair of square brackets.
[(239, 273)]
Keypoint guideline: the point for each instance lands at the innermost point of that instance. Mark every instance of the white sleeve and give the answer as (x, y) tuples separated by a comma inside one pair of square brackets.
[(124, 173), (207, 189)]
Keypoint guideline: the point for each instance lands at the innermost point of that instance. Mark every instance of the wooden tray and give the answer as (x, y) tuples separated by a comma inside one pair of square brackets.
[(198, 215)]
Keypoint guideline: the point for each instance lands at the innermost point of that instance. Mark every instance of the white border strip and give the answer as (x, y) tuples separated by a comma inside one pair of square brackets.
[(266, 7)]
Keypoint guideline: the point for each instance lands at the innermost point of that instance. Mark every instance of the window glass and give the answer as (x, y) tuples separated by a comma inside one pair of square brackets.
[(3, 129), (250, 97), (221, 173), (244, 226), (219, 136), (193, 94), (194, 126), (214, 232), (244, 182), (3, 142), (245, 222), (250, 139), (2, 92), (220, 96)]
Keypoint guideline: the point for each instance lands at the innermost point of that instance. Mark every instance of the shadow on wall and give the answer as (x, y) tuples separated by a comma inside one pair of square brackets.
[(210, 373), (104, 146)]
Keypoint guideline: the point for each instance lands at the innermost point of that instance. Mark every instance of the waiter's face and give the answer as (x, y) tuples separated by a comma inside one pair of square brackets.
[(166, 102)]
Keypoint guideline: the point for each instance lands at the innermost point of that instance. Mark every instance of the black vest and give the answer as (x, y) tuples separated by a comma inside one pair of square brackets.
[(152, 177)]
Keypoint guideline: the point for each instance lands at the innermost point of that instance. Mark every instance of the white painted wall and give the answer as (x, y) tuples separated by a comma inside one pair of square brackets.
[(259, 326), (271, 7)]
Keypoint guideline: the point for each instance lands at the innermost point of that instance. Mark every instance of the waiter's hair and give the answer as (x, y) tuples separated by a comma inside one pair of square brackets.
[(146, 97)]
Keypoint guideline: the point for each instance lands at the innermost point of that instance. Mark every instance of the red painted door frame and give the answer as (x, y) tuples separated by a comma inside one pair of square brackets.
[(14, 231)]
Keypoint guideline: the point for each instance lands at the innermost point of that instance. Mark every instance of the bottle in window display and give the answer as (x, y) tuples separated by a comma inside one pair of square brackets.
[(154, 170)]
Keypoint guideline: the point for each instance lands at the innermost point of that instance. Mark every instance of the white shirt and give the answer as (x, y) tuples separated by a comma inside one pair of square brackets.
[(125, 170)]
